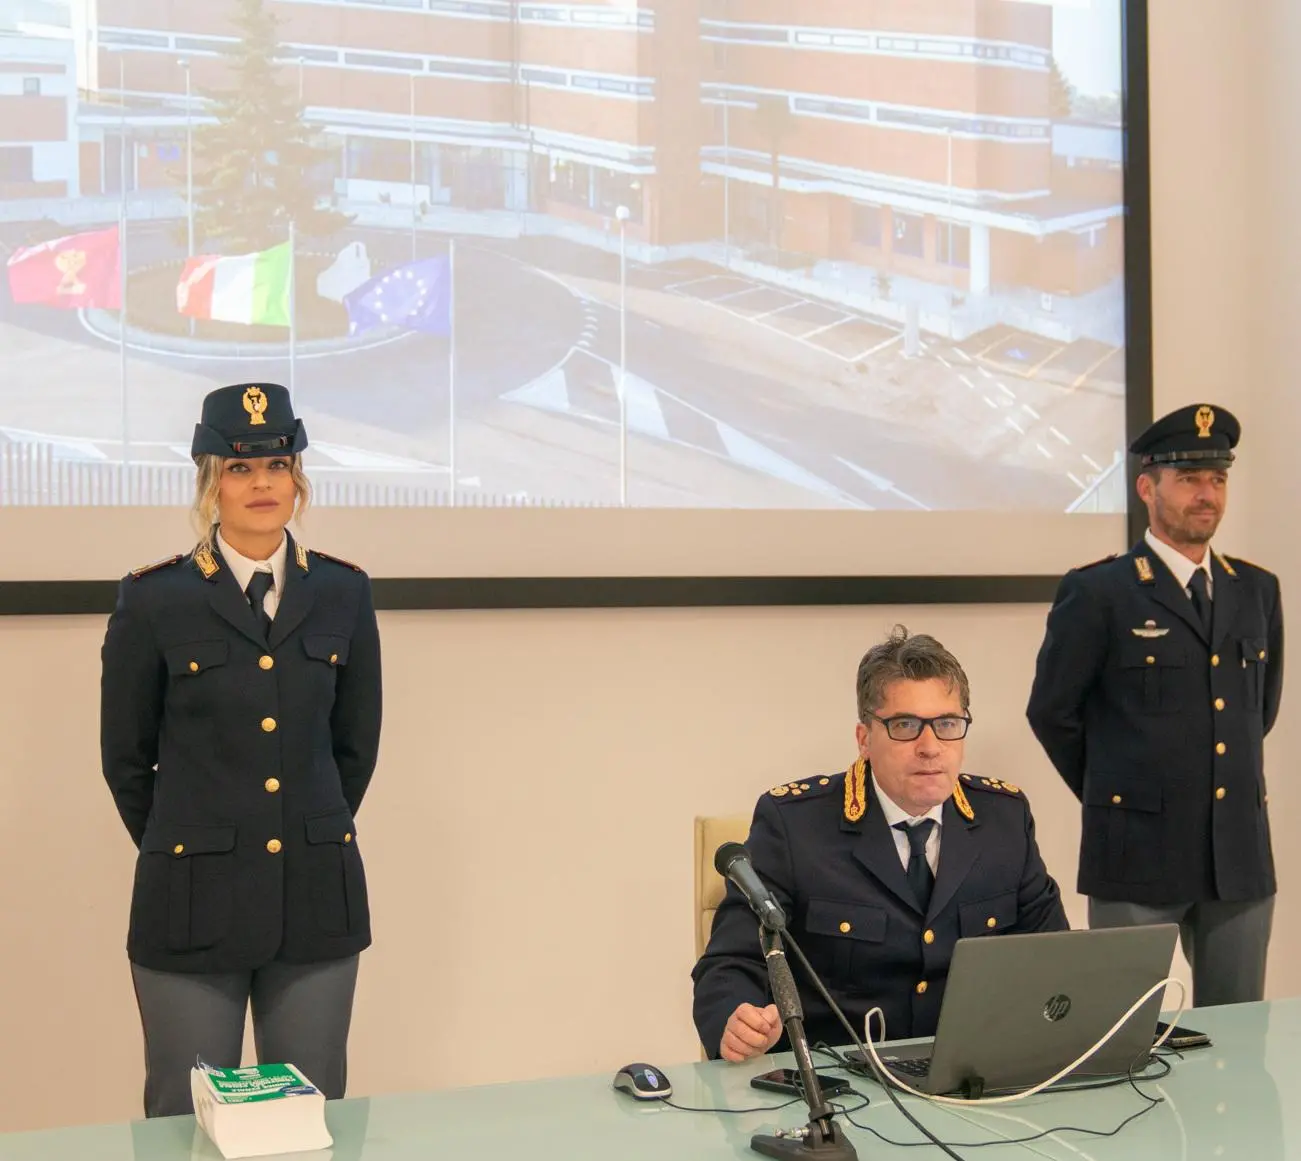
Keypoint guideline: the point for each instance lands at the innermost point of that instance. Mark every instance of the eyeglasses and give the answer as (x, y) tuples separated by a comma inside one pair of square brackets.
[(907, 728)]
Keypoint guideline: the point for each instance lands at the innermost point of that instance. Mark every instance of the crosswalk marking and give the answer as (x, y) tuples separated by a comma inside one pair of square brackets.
[(584, 386)]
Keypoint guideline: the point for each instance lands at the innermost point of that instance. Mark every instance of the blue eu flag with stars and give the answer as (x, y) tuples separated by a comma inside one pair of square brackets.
[(417, 296)]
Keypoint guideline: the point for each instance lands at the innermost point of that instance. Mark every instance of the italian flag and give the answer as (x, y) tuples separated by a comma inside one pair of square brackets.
[(247, 288)]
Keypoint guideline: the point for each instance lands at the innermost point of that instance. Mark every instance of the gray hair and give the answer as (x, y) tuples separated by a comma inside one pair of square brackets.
[(901, 657)]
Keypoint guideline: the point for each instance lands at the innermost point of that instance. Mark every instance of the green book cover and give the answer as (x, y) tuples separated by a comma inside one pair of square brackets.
[(259, 1082)]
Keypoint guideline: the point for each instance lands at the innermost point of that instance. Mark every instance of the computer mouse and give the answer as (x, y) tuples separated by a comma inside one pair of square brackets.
[(643, 1081)]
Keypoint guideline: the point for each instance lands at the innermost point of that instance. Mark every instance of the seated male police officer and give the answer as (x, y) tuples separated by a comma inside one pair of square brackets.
[(881, 869)]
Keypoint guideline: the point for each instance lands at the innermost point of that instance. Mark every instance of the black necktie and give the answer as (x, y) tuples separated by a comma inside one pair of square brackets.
[(920, 877), (257, 590), (1201, 599)]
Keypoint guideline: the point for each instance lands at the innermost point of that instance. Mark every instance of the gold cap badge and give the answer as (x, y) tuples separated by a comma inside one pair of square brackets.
[(1204, 419), (255, 403)]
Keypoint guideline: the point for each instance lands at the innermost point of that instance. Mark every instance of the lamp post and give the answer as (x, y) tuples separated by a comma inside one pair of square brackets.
[(189, 162), (412, 126), (622, 214)]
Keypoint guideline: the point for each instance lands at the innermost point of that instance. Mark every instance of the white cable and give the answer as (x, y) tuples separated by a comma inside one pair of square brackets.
[(1029, 1092)]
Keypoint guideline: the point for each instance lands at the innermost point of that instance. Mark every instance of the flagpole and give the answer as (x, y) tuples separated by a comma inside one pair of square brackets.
[(122, 275), (293, 322), (121, 347), (451, 368)]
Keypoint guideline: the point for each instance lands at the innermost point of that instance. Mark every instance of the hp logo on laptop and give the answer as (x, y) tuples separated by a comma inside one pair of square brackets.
[(1056, 1008)]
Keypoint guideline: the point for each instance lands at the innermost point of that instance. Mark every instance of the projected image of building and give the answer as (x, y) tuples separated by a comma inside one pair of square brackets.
[(860, 231), (918, 140)]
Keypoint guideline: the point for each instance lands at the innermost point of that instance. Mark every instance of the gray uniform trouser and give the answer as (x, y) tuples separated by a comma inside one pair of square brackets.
[(301, 1015), (1225, 943)]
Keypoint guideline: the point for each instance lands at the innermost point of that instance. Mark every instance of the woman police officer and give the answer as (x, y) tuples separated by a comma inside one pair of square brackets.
[(240, 721)]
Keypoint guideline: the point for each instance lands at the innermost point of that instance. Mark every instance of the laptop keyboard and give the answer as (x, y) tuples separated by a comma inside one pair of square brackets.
[(920, 1068)]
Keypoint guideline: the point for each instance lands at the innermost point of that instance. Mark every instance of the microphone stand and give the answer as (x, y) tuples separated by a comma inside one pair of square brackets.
[(822, 1138)]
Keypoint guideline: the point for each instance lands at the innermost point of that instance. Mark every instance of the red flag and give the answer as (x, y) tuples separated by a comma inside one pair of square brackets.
[(78, 270)]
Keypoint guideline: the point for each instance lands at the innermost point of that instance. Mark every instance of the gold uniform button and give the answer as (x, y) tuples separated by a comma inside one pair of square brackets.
[(1151, 660), (846, 928), (179, 848), (921, 988), (268, 725), (1215, 659), (928, 937), (334, 659), (272, 785), (194, 667), (266, 661), (1261, 655), (1115, 800), (1219, 703), (1221, 748), (274, 846), (991, 923), (1220, 792), (348, 837), (824, 781)]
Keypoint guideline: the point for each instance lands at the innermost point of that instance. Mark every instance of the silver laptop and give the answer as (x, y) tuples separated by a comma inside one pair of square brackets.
[(1019, 1008)]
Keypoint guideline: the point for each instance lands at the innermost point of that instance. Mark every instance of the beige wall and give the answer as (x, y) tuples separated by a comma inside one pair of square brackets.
[(528, 834)]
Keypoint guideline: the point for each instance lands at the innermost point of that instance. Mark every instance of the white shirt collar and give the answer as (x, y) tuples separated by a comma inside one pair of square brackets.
[(243, 568), (1177, 562), (894, 813)]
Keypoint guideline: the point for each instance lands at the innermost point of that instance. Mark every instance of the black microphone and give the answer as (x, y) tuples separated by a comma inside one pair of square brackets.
[(732, 861)]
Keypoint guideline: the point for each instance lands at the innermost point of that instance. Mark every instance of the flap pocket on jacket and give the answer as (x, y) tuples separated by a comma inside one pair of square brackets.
[(335, 826), (848, 920), (1123, 797), (194, 657), (987, 916), (181, 841), (327, 647), (1255, 650)]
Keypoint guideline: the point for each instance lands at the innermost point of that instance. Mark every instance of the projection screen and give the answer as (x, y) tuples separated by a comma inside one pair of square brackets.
[(616, 288)]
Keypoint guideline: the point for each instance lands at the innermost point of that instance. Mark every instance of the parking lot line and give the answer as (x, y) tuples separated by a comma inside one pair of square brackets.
[(779, 309), (1079, 382), (735, 293), (881, 346), (826, 327), (696, 281)]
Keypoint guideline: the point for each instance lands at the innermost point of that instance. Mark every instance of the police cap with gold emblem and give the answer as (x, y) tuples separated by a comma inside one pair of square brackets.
[(248, 420), (1201, 435)]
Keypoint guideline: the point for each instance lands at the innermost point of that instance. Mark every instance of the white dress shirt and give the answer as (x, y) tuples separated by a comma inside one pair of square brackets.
[(1180, 565), (895, 814), (243, 569)]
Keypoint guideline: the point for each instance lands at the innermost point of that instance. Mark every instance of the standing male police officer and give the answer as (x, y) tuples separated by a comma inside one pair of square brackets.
[(1158, 679)]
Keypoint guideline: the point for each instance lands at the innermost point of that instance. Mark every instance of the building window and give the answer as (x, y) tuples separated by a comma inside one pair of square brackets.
[(15, 163), (571, 183), (618, 189), (909, 235), (961, 245), (31, 86), (865, 226)]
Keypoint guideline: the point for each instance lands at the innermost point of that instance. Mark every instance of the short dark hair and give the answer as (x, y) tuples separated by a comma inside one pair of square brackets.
[(901, 657)]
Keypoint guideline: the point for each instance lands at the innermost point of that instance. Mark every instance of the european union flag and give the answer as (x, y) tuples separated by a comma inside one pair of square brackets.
[(417, 296)]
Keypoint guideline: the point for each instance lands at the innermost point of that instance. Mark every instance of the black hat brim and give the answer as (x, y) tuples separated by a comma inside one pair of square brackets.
[(209, 441), (1207, 459)]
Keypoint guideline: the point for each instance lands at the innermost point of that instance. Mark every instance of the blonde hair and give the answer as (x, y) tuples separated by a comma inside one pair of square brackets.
[(205, 512)]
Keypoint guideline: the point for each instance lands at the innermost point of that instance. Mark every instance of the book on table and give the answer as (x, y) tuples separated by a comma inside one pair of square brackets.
[(258, 1110)]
